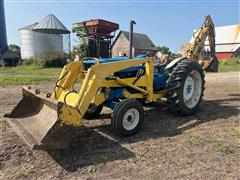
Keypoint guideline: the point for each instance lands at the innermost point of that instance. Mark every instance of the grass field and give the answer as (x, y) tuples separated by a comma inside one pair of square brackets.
[(228, 65), (27, 75), (33, 74), (30, 70)]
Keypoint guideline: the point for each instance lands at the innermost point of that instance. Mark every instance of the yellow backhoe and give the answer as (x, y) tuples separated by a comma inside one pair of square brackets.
[(196, 48)]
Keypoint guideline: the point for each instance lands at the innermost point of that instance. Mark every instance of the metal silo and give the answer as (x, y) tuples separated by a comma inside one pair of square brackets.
[(34, 44), (27, 42), (3, 34), (46, 36), (52, 25), (47, 43)]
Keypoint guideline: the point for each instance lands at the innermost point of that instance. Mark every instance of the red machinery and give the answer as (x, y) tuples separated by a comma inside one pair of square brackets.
[(100, 27), (99, 33)]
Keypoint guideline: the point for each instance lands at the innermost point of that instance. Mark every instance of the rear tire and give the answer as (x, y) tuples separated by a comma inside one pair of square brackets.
[(185, 87), (127, 117)]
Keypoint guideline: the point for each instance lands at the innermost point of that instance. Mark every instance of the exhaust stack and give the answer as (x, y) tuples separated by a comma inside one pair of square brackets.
[(132, 22)]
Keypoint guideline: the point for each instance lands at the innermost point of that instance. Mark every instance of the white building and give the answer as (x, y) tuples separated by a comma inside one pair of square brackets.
[(34, 44), (227, 41)]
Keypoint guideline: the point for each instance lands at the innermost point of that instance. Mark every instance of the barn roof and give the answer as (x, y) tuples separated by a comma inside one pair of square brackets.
[(228, 34), (11, 55), (227, 38), (140, 41)]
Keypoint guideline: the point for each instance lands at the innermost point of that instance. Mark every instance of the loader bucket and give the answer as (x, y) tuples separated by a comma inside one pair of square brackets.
[(35, 119)]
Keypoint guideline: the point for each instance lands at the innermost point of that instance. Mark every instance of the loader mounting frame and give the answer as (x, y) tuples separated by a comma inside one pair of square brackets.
[(95, 82)]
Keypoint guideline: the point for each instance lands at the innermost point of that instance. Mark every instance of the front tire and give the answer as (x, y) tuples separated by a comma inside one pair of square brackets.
[(127, 117), (185, 87)]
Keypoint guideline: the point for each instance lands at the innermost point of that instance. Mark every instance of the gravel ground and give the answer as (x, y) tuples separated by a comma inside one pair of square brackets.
[(203, 146)]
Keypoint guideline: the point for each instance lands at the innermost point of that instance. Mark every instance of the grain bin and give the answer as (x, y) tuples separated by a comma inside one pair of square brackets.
[(34, 44), (52, 25), (45, 36)]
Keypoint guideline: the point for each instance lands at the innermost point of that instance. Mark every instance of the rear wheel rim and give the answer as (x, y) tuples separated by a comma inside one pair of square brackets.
[(192, 89), (131, 119)]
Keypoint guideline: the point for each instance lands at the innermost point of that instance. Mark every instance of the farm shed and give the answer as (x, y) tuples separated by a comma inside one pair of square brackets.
[(227, 41), (10, 58), (141, 44)]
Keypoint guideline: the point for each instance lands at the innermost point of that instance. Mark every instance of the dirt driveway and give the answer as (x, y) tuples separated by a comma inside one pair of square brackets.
[(203, 146)]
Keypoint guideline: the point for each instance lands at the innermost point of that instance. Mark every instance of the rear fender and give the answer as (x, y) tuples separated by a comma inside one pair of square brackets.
[(174, 62)]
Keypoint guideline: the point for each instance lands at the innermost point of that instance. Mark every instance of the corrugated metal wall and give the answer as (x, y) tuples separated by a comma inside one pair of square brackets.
[(3, 35), (34, 44)]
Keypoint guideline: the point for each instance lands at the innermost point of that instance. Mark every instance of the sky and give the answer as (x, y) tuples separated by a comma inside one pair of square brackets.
[(168, 23)]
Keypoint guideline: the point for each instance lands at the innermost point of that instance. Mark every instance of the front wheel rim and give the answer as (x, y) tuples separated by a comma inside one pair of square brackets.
[(131, 119), (192, 89)]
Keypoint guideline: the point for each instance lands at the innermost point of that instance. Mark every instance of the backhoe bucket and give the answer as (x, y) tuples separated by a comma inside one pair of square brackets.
[(212, 65), (35, 119)]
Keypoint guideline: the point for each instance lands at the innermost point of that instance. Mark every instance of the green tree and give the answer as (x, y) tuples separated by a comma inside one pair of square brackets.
[(164, 50)]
